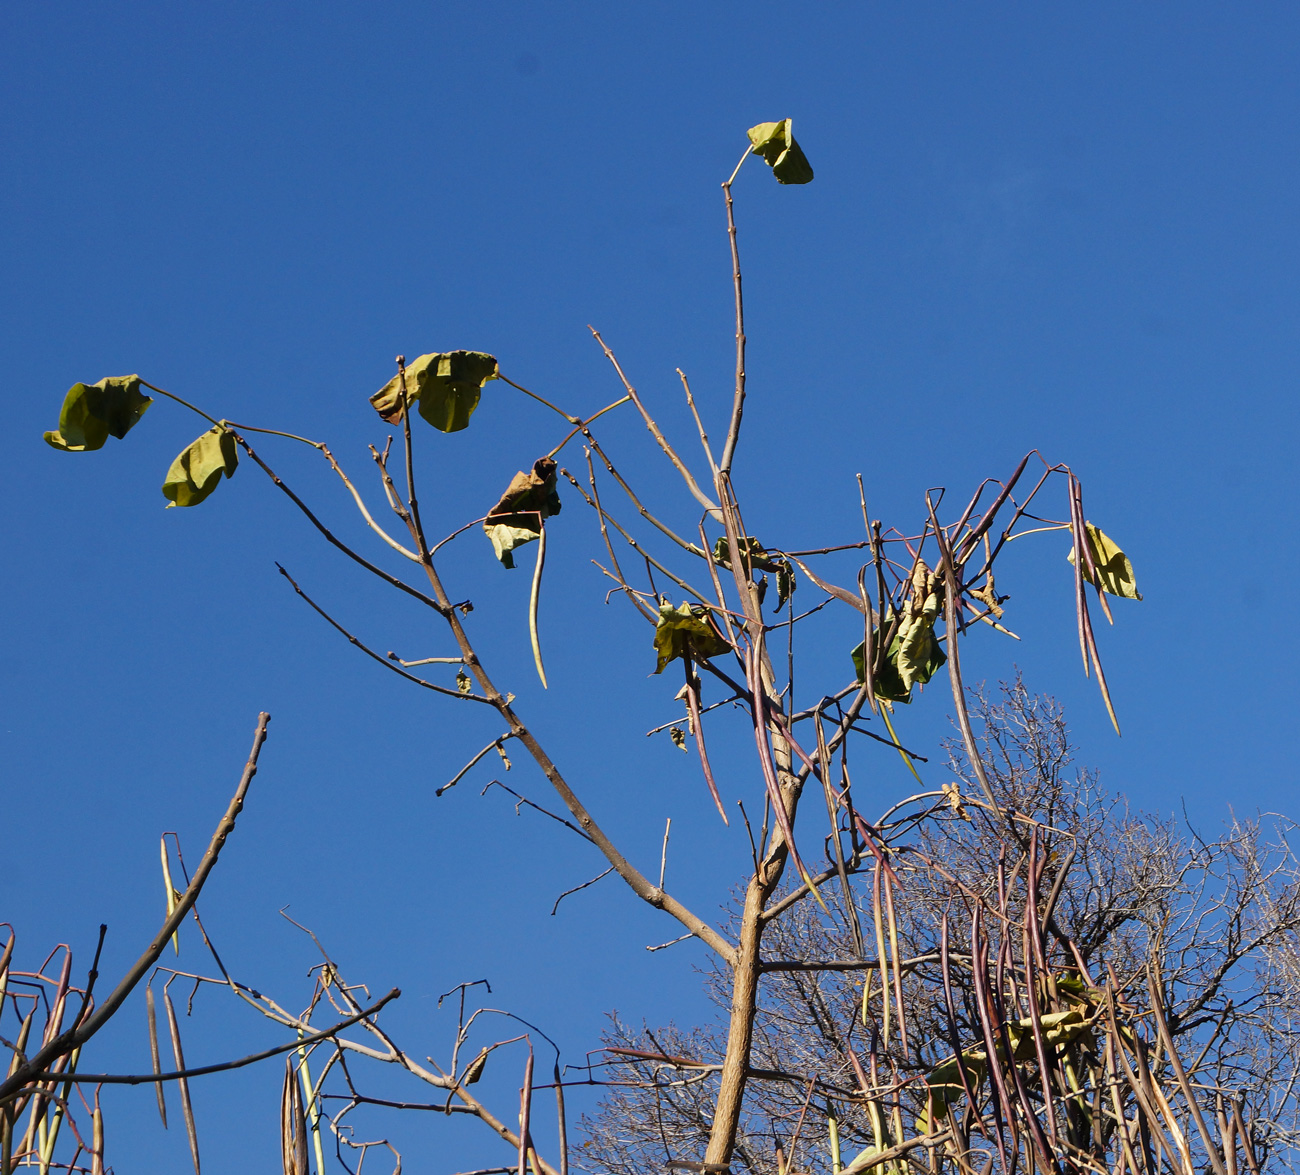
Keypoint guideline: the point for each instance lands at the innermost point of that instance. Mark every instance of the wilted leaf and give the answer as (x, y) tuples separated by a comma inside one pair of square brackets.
[(463, 681), (914, 655), (926, 660), (774, 142), (755, 558), (446, 385), (517, 518), (678, 735), (92, 413), (476, 1067), (684, 631), (1113, 567), (195, 473), (952, 796), (919, 654), (945, 1085)]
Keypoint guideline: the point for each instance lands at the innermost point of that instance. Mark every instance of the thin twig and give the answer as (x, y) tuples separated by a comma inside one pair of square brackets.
[(66, 1042), (698, 494), (438, 689)]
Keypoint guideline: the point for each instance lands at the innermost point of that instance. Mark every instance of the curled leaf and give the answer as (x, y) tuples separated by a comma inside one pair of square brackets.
[(446, 385), (918, 651), (463, 682), (1113, 567), (914, 655), (475, 1069), (686, 631), (678, 735), (517, 518), (755, 558), (195, 473), (774, 142), (92, 413), (945, 1084)]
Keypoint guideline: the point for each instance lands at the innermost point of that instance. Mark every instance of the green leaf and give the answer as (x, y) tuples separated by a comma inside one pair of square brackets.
[(1113, 567), (446, 386), (918, 653), (92, 413), (945, 1086), (517, 518), (774, 142), (686, 631), (756, 558), (914, 656), (195, 473)]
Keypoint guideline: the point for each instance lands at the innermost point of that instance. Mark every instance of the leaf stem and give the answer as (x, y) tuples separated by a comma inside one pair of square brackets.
[(584, 423), (539, 399), (183, 403), (274, 432)]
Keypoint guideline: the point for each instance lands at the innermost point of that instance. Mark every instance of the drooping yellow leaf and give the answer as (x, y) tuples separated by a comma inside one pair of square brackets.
[(686, 631), (774, 142), (517, 518), (445, 386), (197, 470), (1113, 567), (92, 413)]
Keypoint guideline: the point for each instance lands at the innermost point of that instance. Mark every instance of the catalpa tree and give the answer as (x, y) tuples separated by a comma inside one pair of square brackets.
[(1050, 1059)]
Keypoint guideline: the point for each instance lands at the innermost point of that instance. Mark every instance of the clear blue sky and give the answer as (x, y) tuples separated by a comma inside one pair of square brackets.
[(1066, 226)]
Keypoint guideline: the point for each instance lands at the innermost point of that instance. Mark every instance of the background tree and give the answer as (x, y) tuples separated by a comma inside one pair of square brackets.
[(1217, 919)]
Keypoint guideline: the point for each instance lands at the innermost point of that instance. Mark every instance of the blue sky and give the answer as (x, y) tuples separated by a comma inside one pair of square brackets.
[(1033, 225)]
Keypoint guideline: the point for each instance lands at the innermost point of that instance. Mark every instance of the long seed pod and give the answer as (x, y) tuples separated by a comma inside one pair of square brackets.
[(1247, 1147), (1032, 948), (877, 909), (1080, 600), (152, 1016), (754, 680), (945, 965), (1180, 1073), (5, 956), (1002, 1105), (1093, 575), (888, 887), (187, 1108), (562, 1123), (97, 1139), (293, 1125), (697, 729), (533, 596), (59, 1113), (170, 891), (525, 1113), (311, 1104), (868, 644), (951, 596), (850, 907)]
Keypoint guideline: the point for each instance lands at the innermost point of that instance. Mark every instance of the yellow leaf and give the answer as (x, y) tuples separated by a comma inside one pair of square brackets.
[(1113, 567)]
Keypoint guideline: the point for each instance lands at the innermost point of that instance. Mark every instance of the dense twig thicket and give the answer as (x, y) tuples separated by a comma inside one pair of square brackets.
[(1004, 972), (1122, 901)]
